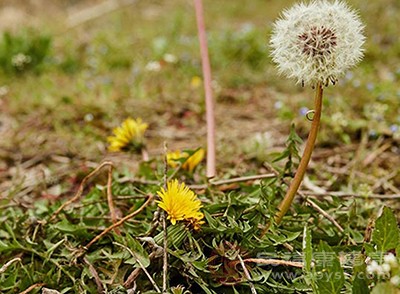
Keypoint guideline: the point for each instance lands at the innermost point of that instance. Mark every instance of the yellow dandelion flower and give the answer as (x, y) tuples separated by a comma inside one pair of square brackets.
[(195, 82), (191, 161), (174, 157), (129, 135), (180, 203)]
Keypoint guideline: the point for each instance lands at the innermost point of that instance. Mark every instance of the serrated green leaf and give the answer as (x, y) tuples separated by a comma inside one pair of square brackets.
[(309, 273), (283, 237), (386, 233), (329, 273)]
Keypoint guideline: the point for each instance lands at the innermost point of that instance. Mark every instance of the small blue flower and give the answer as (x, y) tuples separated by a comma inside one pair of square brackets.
[(303, 110), (394, 128)]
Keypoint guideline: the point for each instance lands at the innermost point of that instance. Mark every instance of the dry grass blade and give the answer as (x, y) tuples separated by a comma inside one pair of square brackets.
[(247, 275), (141, 266), (32, 287), (275, 262), (110, 199), (8, 263)]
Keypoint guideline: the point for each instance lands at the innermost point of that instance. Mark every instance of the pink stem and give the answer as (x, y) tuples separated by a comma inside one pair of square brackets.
[(207, 89)]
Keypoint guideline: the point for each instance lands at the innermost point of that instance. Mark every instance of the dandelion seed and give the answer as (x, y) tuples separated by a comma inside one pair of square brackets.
[(317, 42), (130, 135), (180, 203), (191, 161)]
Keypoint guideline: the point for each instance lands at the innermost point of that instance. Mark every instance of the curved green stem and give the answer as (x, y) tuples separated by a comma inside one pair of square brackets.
[(294, 186)]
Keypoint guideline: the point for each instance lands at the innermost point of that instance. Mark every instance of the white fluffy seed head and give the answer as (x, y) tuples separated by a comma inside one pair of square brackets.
[(317, 41)]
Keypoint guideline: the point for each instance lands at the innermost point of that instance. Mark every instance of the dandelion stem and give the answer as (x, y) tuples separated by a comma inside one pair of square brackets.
[(207, 89), (294, 186)]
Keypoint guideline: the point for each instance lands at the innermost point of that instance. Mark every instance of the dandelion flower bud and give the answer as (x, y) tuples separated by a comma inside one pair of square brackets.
[(317, 42)]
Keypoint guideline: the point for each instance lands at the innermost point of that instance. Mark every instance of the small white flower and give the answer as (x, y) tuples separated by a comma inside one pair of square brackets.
[(373, 267), (390, 259), (20, 60), (386, 268), (154, 66), (317, 42), (4, 91), (170, 58), (395, 280)]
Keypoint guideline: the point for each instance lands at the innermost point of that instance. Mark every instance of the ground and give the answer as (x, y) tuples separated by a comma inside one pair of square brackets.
[(106, 63)]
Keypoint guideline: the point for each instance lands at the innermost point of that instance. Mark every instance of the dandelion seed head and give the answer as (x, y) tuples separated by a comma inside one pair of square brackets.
[(317, 41)]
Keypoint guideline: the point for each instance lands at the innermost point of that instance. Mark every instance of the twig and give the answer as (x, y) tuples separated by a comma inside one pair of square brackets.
[(141, 266), (110, 199), (139, 181), (242, 179), (8, 263), (165, 253), (371, 157), (275, 262), (30, 288), (325, 214), (232, 181), (305, 159), (80, 189), (247, 275), (99, 284), (207, 89), (120, 222), (164, 225), (385, 182), (350, 194)]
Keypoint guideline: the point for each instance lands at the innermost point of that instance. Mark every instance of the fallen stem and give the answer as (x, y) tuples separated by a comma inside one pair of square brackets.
[(99, 284), (120, 222), (294, 186), (110, 199), (8, 263), (242, 179), (275, 262), (30, 288), (164, 225), (247, 275)]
